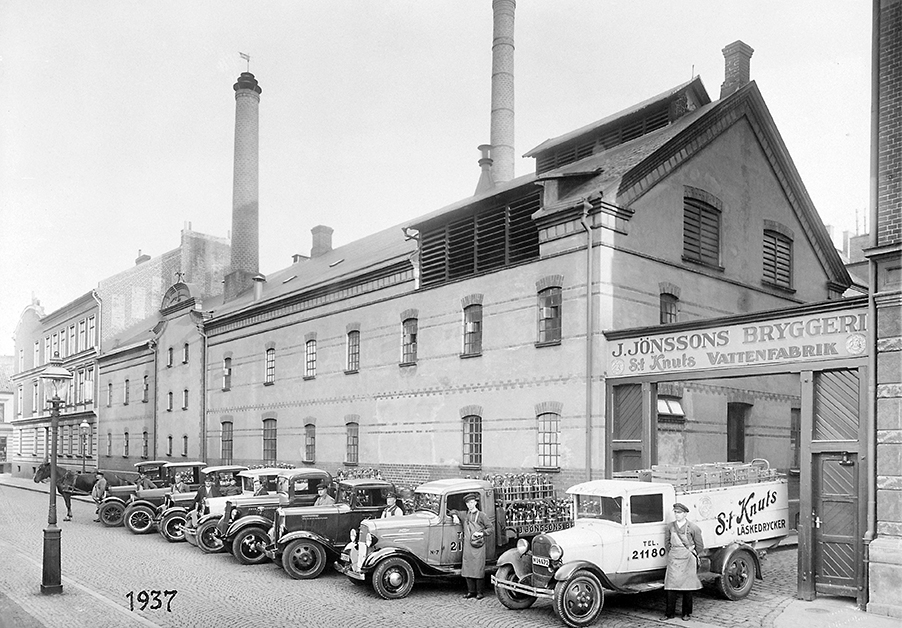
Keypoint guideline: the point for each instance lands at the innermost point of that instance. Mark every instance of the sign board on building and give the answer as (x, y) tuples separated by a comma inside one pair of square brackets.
[(814, 337)]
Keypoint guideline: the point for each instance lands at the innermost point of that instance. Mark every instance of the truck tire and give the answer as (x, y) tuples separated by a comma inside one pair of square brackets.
[(393, 578), (578, 600), (172, 527), (208, 539), (138, 519), (738, 576), (245, 549), (111, 514), (511, 599), (304, 559)]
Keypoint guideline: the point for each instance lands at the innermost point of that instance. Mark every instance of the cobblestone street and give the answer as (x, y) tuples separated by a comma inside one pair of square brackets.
[(101, 566)]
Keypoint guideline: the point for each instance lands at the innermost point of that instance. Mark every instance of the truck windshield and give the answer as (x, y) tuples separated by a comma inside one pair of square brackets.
[(427, 501), (599, 507)]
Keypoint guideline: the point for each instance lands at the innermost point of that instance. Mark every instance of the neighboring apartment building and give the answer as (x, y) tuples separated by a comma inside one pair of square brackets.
[(7, 405)]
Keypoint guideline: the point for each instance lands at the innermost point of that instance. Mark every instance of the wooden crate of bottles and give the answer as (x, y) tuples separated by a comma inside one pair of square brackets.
[(528, 504)]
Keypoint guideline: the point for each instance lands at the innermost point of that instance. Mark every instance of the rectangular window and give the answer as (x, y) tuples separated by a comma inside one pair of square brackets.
[(55, 345), (35, 400), (269, 441), (309, 443), (73, 347), (795, 436), (169, 357), (125, 398), (227, 373), (549, 435), (226, 440), (82, 335), (737, 414), (63, 347), (185, 354), (21, 361), (109, 394), (353, 351), (409, 341), (647, 508), (777, 259), (169, 401), (109, 444), (701, 232), (37, 353), (185, 446), (353, 444), (20, 399), (92, 332), (145, 389), (185, 399), (36, 443), (669, 307), (473, 329), (47, 355), (270, 376), (549, 316), (144, 445), (65, 440), (310, 358), (472, 445), (125, 445)]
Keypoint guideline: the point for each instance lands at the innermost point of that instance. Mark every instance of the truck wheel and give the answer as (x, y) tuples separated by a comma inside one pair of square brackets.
[(304, 559), (511, 599), (138, 519), (172, 527), (738, 576), (208, 537), (111, 514), (578, 600), (245, 546), (393, 578)]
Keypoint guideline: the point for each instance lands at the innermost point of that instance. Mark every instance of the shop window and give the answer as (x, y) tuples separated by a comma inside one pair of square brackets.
[(549, 438), (226, 440), (549, 316), (409, 341), (353, 443), (795, 438), (473, 329), (270, 377), (737, 416), (472, 441), (309, 443), (269, 441)]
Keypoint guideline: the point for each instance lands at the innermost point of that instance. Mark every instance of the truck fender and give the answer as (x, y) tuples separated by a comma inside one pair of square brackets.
[(522, 563), (142, 502), (304, 534), (243, 522), (722, 556), (173, 510), (378, 556), (206, 518), (111, 499), (565, 571)]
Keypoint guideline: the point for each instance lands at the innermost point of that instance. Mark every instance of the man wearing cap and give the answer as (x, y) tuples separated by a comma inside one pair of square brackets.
[(207, 489), (391, 509), (98, 491), (682, 543), (477, 532), (144, 482), (323, 498)]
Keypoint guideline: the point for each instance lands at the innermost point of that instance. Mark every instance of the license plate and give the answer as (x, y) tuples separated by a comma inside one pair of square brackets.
[(541, 561)]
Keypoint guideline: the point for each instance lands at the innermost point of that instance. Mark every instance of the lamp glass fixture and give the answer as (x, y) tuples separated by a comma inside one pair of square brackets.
[(57, 376)]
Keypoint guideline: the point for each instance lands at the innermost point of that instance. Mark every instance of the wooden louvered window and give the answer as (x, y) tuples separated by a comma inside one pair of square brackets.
[(701, 232), (480, 242), (777, 259)]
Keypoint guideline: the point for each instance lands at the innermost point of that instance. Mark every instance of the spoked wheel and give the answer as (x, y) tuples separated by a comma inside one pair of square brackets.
[(304, 559), (737, 577), (578, 600), (511, 599), (208, 539), (248, 546), (172, 527), (111, 514), (139, 520), (393, 578)]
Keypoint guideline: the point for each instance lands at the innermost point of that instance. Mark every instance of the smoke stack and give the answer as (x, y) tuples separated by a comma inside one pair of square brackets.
[(486, 182), (258, 280), (502, 132), (245, 201), (322, 240), (141, 258), (737, 57)]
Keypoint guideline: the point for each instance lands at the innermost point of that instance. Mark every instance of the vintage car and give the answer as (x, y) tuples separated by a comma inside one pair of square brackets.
[(171, 516), (305, 537), (117, 497), (245, 524), (617, 543), (142, 506)]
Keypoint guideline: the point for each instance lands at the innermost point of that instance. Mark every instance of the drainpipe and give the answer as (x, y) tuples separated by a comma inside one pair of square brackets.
[(98, 346), (871, 418), (590, 332), (203, 394)]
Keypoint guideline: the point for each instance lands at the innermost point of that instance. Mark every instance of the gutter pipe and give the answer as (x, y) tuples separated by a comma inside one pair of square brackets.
[(590, 333)]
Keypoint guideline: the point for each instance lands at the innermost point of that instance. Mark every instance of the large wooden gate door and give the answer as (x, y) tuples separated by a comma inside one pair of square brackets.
[(631, 435), (831, 549)]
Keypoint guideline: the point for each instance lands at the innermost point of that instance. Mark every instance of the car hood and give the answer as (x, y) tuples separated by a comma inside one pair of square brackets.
[(399, 529), (580, 540)]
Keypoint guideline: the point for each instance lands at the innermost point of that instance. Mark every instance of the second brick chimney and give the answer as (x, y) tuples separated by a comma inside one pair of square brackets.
[(322, 240), (737, 57)]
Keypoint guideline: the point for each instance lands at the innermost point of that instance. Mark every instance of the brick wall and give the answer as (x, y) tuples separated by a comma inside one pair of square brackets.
[(889, 208)]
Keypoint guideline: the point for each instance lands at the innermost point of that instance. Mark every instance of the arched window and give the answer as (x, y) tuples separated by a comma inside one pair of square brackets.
[(310, 358), (226, 373), (144, 444), (169, 401), (472, 441), (549, 439), (185, 399), (269, 441), (125, 393), (109, 443), (409, 329), (473, 329), (353, 351), (669, 308), (169, 446), (270, 374), (145, 389), (185, 446), (549, 315), (185, 354), (309, 443), (353, 443), (125, 445)]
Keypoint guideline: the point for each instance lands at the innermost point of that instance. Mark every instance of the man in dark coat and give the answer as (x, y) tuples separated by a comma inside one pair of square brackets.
[(477, 531), (208, 489)]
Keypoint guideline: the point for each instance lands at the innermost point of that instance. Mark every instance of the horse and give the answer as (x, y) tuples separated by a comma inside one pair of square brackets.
[(69, 483)]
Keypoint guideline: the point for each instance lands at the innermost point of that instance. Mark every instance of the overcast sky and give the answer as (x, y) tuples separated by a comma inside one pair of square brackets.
[(118, 119)]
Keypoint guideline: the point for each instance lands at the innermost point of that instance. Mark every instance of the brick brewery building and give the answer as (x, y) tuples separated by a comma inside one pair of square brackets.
[(494, 335)]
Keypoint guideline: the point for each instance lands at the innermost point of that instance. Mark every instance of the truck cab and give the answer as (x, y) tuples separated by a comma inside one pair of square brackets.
[(140, 513), (117, 497)]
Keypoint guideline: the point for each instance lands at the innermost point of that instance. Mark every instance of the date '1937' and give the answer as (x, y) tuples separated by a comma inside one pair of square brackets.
[(152, 600)]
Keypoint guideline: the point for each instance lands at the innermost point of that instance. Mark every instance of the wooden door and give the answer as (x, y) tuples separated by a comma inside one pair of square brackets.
[(836, 535)]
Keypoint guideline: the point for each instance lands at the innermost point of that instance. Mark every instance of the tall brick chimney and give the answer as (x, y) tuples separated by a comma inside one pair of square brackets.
[(737, 57), (502, 131), (245, 199), (322, 240)]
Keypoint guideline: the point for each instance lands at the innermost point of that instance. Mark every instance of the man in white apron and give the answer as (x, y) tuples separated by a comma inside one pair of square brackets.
[(682, 543)]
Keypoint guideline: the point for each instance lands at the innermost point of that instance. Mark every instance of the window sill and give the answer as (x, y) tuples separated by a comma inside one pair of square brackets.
[(307, 378), (184, 407), (351, 464), (470, 467), (547, 469), (184, 455), (308, 461), (406, 364), (696, 262), (124, 403), (464, 356), (548, 343), (351, 372), (168, 409), (267, 384), (776, 286), (226, 389), (144, 401)]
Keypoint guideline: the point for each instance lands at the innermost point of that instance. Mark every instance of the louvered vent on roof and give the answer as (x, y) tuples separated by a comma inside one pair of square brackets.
[(480, 242)]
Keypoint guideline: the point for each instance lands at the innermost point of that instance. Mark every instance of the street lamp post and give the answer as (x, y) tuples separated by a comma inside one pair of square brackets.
[(57, 377), (85, 429)]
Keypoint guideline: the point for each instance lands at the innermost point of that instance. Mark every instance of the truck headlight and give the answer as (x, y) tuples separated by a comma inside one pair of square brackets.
[(555, 552), (353, 535), (370, 539), (522, 546)]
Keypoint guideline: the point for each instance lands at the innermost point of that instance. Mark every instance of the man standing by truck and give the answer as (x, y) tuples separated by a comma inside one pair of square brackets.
[(476, 529), (682, 543)]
